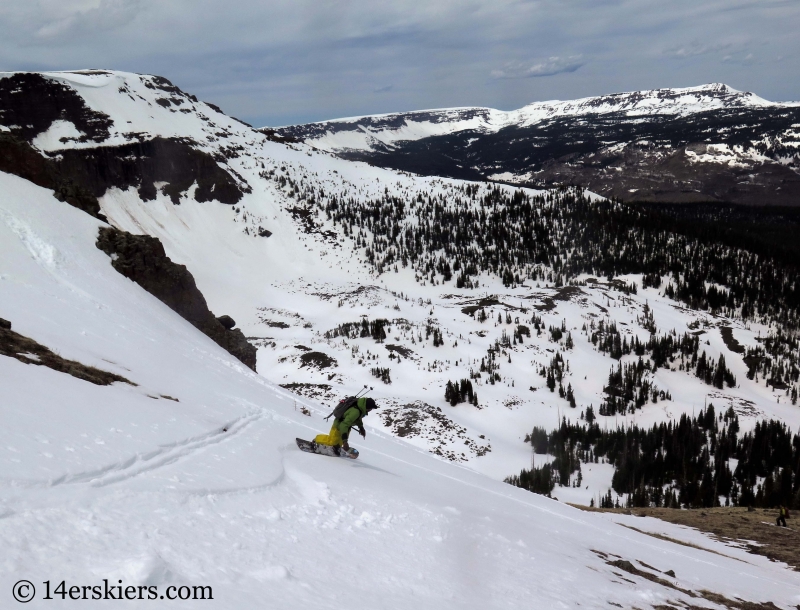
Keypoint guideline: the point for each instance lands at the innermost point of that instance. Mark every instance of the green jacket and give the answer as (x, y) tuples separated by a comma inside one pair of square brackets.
[(352, 417)]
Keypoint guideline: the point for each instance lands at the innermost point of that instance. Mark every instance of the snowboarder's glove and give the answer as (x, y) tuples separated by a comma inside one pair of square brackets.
[(362, 432)]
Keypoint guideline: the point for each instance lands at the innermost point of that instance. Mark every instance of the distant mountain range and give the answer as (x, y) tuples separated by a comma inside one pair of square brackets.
[(699, 144)]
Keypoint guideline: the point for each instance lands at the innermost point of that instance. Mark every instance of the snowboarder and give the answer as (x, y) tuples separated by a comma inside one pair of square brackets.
[(353, 417), (781, 520)]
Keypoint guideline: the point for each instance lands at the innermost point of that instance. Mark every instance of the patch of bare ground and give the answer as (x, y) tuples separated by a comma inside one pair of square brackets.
[(26, 350), (655, 575), (565, 293), (444, 437), (317, 391), (730, 341), (317, 360), (753, 530)]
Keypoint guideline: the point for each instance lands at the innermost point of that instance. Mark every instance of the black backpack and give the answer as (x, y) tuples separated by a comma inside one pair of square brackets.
[(342, 407)]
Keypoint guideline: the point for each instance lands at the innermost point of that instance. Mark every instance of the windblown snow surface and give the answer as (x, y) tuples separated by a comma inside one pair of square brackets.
[(192, 477)]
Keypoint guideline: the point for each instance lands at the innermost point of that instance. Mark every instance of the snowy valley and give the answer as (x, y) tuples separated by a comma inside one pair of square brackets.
[(476, 311)]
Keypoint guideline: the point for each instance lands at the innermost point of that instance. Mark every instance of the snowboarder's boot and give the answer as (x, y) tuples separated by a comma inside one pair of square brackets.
[(331, 450)]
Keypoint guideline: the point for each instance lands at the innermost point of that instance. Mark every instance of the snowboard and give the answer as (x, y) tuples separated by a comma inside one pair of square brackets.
[(312, 447)]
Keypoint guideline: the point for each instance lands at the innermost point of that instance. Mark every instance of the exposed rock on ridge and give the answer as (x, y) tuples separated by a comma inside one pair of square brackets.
[(30, 103), (142, 258), (28, 351), (143, 164), (19, 158)]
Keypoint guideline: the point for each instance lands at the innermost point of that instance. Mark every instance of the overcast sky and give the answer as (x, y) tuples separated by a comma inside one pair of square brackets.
[(277, 62)]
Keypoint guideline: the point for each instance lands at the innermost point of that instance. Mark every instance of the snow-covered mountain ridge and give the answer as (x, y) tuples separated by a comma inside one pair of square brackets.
[(672, 145), (365, 132), (306, 251)]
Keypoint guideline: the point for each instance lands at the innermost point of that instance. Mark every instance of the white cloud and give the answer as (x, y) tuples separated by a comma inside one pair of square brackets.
[(739, 58), (696, 48), (53, 21), (545, 67)]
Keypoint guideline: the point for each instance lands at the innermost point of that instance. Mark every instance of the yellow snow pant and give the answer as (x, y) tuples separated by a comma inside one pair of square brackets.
[(333, 438)]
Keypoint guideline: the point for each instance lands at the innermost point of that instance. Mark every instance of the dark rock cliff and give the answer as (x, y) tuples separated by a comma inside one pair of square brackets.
[(30, 103), (143, 164), (21, 159), (142, 258)]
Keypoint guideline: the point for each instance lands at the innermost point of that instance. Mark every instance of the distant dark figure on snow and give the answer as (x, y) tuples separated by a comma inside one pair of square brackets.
[(782, 516), (352, 418)]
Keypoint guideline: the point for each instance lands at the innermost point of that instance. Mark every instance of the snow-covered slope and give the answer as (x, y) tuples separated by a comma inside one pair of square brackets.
[(137, 107), (120, 486)]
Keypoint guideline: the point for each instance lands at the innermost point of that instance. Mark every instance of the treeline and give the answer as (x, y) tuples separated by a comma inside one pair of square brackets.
[(462, 233), (776, 362), (554, 374), (629, 388), (728, 260), (694, 462)]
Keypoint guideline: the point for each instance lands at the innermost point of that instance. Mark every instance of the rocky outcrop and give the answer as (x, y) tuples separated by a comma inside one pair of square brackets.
[(19, 158), (142, 258), (81, 176), (141, 165), (30, 103), (226, 321), (28, 351)]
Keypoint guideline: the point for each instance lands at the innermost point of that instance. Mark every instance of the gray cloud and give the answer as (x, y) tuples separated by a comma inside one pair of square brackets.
[(695, 48), (740, 58), (282, 61), (80, 18), (545, 67)]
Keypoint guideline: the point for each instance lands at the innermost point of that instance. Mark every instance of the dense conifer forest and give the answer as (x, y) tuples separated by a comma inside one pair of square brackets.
[(695, 462), (769, 231), (560, 235)]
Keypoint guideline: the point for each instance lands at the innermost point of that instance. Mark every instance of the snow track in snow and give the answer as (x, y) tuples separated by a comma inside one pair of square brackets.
[(164, 456)]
